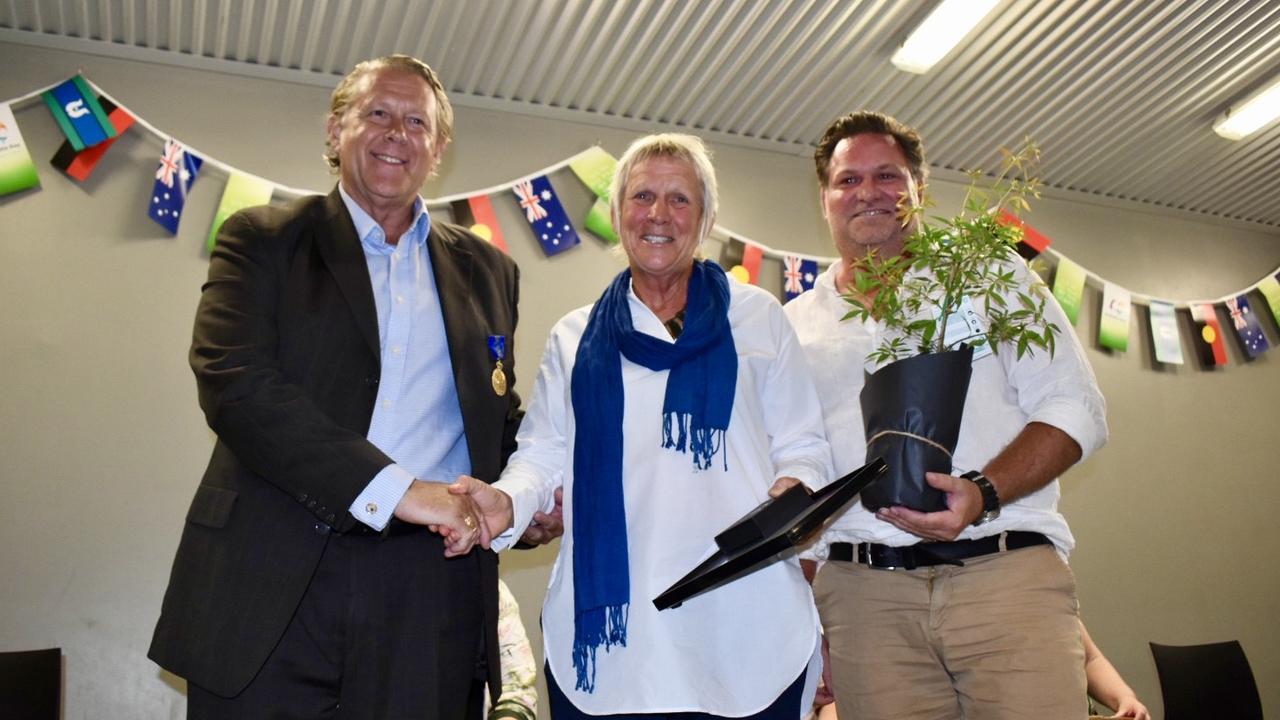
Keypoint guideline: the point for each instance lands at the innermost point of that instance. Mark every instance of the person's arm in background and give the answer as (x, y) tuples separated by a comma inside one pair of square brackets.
[(1106, 685), (519, 698)]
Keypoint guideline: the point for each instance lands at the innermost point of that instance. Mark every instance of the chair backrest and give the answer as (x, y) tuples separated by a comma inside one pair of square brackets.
[(31, 684), (1204, 681)]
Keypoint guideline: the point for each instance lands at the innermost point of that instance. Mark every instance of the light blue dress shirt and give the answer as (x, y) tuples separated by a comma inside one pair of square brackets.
[(417, 419)]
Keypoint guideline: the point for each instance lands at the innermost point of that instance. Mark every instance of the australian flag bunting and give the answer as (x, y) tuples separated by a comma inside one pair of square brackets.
[(174, 177), (798, 275), (546, 216), (1247, 326)]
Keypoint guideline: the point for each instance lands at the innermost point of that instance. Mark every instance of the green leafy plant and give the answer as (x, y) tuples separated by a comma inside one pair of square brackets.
[(947, 260)]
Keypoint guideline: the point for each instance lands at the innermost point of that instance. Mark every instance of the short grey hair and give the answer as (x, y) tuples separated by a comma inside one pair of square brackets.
[(688, 148)]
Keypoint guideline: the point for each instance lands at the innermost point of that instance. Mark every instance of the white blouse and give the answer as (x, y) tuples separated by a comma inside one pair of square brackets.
[(731, 651)]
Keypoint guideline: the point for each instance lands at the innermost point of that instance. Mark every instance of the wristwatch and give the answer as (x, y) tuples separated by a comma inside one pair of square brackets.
[(990, 500)]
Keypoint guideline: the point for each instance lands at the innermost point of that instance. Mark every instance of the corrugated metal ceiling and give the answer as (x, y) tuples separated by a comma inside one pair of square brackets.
[(1121, 95)]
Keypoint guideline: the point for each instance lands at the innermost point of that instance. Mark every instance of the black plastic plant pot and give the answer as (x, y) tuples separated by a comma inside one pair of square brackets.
[(918, 397)]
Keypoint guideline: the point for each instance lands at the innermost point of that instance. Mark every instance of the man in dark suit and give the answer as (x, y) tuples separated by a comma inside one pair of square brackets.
[(353, 356)]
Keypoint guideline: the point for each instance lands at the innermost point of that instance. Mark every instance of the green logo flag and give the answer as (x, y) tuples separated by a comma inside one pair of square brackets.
[(595, 167), (1270, 289), (1113, 330), (1068, 287), (600, 223), (242, 191), (17, 172)]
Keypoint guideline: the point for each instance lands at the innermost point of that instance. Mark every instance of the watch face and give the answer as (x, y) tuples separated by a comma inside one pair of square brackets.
[(990, 500)]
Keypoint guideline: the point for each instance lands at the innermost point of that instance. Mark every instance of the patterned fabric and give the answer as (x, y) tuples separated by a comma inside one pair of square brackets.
[(519, 699)]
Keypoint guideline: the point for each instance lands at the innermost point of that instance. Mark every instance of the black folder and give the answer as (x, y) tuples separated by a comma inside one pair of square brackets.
[(764, 534)]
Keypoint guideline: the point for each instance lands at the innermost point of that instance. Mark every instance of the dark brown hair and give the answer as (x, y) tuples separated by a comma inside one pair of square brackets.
[(866, 121)]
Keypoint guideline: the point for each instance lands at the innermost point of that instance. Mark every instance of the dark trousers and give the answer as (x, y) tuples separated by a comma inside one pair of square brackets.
[(786, 707), (387, 629)]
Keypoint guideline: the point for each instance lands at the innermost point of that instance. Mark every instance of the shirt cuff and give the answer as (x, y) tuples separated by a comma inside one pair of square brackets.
[(524, 494), (1086, 425), (812, 475), (377, 503)]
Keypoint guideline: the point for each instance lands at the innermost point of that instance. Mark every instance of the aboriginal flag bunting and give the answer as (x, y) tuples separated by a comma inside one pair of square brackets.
[(1210, 348), (476, 214)]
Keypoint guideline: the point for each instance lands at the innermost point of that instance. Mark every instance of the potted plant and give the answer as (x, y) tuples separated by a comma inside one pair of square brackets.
[(950, 293)]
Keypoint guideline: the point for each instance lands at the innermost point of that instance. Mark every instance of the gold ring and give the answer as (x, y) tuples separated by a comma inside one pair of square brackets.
[(470, 522)]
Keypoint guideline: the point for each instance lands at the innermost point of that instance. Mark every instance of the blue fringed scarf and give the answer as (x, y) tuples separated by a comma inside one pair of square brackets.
[(695, 414)]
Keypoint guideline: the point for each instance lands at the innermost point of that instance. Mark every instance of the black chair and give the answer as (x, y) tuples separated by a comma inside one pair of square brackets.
[(31, 684), (1206, 681)]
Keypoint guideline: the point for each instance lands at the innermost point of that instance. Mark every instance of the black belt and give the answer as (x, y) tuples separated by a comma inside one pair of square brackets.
[(925, 554)]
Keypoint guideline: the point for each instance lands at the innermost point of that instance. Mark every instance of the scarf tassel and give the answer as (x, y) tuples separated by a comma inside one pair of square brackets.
[(605, 626), (701, 442)]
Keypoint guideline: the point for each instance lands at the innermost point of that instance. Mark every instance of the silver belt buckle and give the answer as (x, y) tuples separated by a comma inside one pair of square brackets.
[(871, 562)]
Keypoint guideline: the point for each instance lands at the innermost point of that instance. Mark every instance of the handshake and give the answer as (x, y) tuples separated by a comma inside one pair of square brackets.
[(470, 512)]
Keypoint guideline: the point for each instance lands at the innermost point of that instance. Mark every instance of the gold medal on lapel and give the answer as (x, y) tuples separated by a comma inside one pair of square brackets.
[(498, 351), (499, 379)]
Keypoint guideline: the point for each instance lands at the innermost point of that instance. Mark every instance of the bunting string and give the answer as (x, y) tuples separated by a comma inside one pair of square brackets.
[(593, 164)]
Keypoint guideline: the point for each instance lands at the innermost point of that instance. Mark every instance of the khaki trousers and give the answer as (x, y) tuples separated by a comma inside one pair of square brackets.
[(997, 639)]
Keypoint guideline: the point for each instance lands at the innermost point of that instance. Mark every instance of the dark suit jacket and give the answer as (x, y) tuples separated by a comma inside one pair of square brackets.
[(286, 358)]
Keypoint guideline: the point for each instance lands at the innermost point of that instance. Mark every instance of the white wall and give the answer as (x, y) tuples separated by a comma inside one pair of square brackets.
[(101, 443)]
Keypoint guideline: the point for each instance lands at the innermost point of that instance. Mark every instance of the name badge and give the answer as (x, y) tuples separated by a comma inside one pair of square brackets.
[(965, 324)]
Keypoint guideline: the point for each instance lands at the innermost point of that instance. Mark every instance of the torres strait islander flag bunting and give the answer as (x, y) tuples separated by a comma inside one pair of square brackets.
[(80, 164), (77, 112), (546, 216)]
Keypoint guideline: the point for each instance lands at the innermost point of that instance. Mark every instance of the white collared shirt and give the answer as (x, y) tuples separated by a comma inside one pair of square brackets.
[(1005, 394)]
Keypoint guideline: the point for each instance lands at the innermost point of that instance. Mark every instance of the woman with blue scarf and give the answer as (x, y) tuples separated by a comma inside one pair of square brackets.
[(675, 404)]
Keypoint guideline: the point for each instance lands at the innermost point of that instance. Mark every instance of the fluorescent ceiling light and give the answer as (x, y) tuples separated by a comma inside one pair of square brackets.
[(945, 27), (1250, 116)]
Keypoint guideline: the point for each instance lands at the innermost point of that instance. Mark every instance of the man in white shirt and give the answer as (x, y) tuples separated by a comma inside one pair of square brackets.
[(912, 632)]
